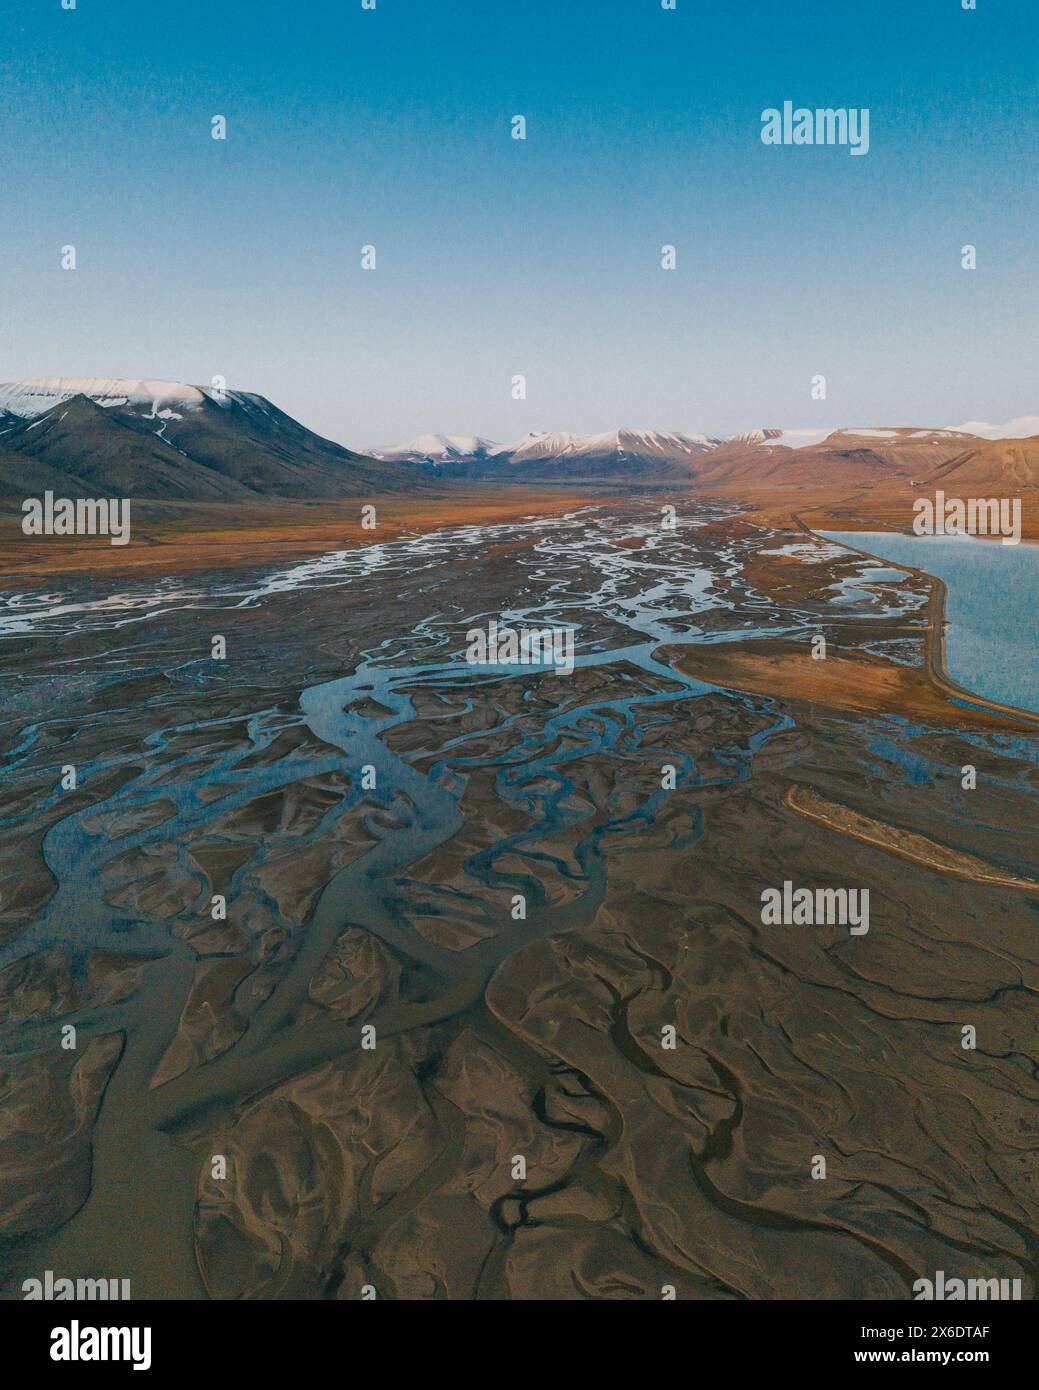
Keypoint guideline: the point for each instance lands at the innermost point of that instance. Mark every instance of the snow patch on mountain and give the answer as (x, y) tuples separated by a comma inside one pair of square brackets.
[(1023, 427), (622, 442), (801, 439), (439, 447), (787, 439), (161, 400)]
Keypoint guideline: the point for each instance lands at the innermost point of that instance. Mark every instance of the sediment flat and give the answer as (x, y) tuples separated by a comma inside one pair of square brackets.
[(863, 506), (905, 843), (169, 539), (389, 905), (856, 683)]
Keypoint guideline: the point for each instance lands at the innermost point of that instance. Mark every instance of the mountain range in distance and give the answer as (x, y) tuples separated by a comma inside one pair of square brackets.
[(165, 441), (543, 457), (778, 458)]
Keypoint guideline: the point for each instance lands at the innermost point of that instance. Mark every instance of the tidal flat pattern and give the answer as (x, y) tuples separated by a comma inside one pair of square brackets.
[(370, 807)]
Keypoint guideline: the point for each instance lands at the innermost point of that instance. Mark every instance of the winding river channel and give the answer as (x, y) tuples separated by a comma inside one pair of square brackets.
[(183, 764)]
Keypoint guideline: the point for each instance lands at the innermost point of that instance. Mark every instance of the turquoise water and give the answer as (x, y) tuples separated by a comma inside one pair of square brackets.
[(992, 606)]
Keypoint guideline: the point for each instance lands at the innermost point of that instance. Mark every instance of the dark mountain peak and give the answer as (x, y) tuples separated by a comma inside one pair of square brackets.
[(161, 439)]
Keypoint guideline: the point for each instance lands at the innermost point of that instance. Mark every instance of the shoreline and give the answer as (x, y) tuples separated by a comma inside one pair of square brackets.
[(172, 547), (934, 668)]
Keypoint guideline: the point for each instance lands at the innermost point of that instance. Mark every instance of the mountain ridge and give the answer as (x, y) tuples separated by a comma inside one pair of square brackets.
[(167, 441)]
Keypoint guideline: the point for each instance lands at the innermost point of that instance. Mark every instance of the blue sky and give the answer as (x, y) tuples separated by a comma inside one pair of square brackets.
[(346, 127)]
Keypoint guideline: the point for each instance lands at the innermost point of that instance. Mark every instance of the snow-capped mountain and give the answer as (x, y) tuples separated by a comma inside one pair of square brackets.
[(543, 455), (776, 438), (167, 440), (550, 456), (619, 443), (438, 448), (157, 400), (807, 438), (1023, 427)]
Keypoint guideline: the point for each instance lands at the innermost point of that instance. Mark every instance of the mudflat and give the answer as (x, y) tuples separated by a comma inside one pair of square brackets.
[(191, 538), (314, 1032), (865, 505)]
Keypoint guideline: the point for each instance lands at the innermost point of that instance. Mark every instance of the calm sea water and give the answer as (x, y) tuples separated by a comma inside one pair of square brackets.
[(992, 640)]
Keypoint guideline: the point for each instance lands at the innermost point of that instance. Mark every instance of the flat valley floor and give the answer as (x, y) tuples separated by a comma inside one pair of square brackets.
[(370, 807)]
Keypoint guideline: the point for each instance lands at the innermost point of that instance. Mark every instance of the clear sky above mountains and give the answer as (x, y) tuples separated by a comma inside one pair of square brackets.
[(242, 258)]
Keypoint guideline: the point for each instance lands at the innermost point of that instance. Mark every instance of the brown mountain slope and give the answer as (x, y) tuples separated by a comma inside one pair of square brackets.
[(844, 458), (813, 466), (996, 463), (912, 449)]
